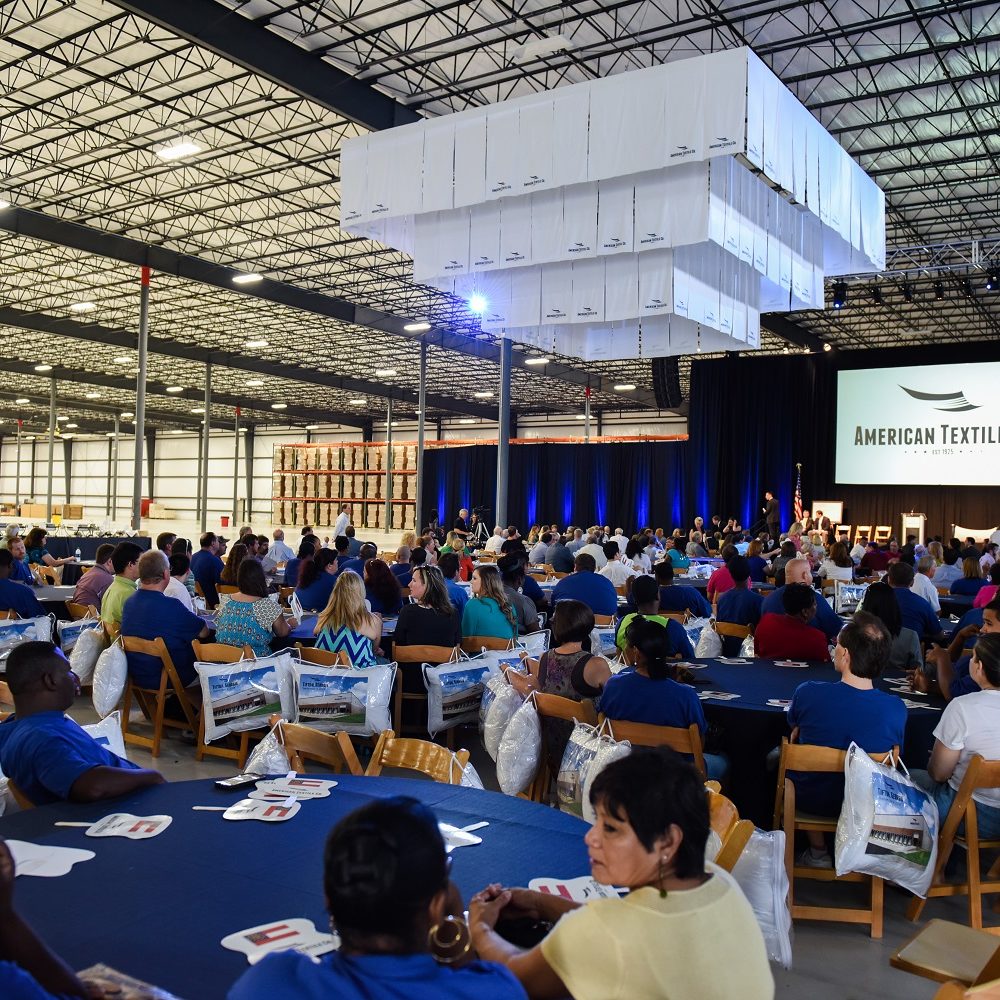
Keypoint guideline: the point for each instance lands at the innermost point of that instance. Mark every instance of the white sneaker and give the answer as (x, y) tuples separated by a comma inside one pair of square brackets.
[(809, 860)]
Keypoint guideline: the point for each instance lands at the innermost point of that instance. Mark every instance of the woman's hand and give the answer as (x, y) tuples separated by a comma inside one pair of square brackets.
[(486, 906)]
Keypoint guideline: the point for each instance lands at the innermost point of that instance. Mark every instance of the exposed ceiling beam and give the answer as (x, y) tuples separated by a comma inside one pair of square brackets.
[(254, 47), (789, 330), (299, 413), (113, 246)]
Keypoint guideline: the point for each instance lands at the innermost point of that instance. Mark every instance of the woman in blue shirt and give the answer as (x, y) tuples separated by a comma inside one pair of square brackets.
[(385, 877), (382, 589), (316, 579), (488, 612), (758, 564), (972, 578)]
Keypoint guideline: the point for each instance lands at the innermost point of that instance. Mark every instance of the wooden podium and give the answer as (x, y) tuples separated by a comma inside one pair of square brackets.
[(912, 524)]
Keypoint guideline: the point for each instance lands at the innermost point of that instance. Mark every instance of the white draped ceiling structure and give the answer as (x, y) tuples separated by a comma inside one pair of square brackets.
[(652, 213)]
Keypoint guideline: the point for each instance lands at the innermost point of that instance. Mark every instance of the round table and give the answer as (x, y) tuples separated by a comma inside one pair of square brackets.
[(157, 909), (751, 728)]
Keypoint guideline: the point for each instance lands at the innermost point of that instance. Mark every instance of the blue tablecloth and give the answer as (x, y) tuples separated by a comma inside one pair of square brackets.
[(60, 546), (955, 604), (305, 631), (158, 908)]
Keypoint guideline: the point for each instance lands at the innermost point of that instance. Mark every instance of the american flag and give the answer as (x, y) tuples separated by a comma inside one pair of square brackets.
[(798, 491)]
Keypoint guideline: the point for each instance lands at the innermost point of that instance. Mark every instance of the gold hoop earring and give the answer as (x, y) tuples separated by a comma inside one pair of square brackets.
[(450, 940)]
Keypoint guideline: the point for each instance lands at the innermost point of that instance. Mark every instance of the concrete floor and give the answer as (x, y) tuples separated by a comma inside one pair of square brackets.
[(830, 961)]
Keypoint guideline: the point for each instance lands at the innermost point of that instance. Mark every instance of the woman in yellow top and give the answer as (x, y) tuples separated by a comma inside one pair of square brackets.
[(684, 930)]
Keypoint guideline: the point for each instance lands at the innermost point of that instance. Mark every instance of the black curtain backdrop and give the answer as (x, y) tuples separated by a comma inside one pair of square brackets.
[(750, 420)]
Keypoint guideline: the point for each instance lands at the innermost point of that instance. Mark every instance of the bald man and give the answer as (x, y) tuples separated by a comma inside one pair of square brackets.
[(799, 571)]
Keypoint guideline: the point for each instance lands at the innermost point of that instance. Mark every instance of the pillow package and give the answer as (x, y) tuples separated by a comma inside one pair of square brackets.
[(13, 633), (343, 698), (454, 692), (237, 697), (70, 632)]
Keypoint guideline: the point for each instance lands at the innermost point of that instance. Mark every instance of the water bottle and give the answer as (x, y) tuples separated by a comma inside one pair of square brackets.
[(77, 554)]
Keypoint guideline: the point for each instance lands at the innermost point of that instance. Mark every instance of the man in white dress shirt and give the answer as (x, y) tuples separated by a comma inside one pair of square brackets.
[(496, 540), (595, 550), (279, 552), (342, 521), (923, 582), (617, 569)]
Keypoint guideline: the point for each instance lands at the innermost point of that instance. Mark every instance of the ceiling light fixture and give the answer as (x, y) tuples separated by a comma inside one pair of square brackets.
[(468, 421), (279, 406), (536, 361), (626, 387), (255, 382), (23, 399), (4, 203), (385, 372), (93, 395), (82, 307), (175, 388), (71, 426), (907, 291), (122, 359), (876, 293), (312, 427), (539, 48), (939, 290), (992, 281), (358, 402), (839, 294), (256, 343), (43, 368), (828, 347), (127, 415), (61, 419), (247, 279), (418, 327), (483, 395), (478, 304), (198, 409), (178, 150), (580, 416)]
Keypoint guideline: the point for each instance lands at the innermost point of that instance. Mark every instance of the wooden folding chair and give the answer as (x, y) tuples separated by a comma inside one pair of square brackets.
[(77, 612), (473, 644), (284, 593), (980, 774), (417, 655), (226, 588), (642, 734), (883, 532), (153, 701), (678, 616), (804, 757), (863, 531), (735, 631), (46, 573), (604, 619), (219, 652), (8, 614), (554, 706), (945, 952), (417, 755), (734, 833), (302, 743), (323, 657), (838, 528)]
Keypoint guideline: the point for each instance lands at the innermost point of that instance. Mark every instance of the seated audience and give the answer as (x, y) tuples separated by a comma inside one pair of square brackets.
[(797, 571), (755, 559), (988, 593), (646, 597), (292, 566), (44, 752), (14, 596), (678, 598), (558, 556), (356, 564), (279, 551), (567, 669), (875, 560), (536, 554), (20, 572), (456, 544), (695, 548), (459, 596), (596, 550), (401, 568), (91, 586), (583, 584), (39, 554), (430, 619), (577, 542), (950, 571), (666, 936), (125, 560), (635, 556), (353, 542), (495, 540), (512, 570), (207, 567), (948, 667), (741, 605), (905, 652), (720, 581), (916, 613), (513, 544), (180, 570), (346, 624), (488, 612), (786, 554), (149, 614), (675, 553), (790, 636), (251, 617), (387, 887), (230, 572), (836, 715), (969, 725), (649, 692), (923, 582), (972, 580), (316, 579), (838, 565), (382, 589), (615, 569)]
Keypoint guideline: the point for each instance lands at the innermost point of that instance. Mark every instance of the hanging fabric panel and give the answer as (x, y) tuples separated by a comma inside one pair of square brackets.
[(615, 204), (470, 160), (579, 221), (547, 237), (515, 232), (502, 152), (484, 239), (588, 290), (621, 300), (535, 145), (438, 165)]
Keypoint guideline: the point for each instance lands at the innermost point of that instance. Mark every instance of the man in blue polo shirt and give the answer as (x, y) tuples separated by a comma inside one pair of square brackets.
[(741, 605), (459, 596), (19, 571), (679, 598), (149, 613), (47, 755), (207, 567), (583, 584), (798, 571), (15, 596), (915, 611)]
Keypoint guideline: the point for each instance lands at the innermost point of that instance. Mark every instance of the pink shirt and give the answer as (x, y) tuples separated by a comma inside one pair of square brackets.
[(985, 595)]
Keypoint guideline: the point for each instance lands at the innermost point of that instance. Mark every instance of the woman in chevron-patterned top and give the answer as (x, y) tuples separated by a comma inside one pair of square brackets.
[(346, 624)]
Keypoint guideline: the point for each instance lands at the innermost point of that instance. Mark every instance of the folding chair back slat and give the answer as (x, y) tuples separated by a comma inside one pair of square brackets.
[(417, 755), (409, 658), (302, 743), (642, 734)]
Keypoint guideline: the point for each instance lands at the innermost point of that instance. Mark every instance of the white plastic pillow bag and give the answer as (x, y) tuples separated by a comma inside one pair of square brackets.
[(108, 733), (70, 632), (454, 692), (888, 827), (747, 648), (501, 711), (694, 627), (709, 643), (520, 750), (13, 633), (237, 697), (470, 776), (760, 872), (342, 698), (110, 677), (608, 749), (576, 761), (269, 756), (86, 650), (535, 642)]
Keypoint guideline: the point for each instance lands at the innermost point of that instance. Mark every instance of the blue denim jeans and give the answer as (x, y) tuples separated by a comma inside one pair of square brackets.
[(987, 817)]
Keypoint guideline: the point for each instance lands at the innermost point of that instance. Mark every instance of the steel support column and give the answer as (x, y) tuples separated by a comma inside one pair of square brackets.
[(140, 398), (236, 470), (204, 446), (114, 472), (418, 516), (68, 468), (248, 448), (387, 522), (503, 432), (52, 445), (17, 475)]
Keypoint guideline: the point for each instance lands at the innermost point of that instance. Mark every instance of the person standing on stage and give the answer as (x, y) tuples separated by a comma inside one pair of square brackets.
[(772, 515), (461, 524)]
